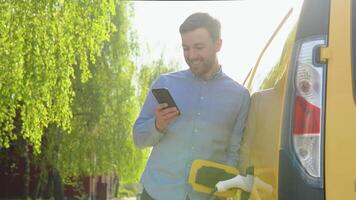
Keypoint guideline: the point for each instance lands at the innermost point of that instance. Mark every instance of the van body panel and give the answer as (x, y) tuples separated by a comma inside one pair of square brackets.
[(340, 141), (313, 18), (262, 130), (261, 142), (268, 141), (268, 132)]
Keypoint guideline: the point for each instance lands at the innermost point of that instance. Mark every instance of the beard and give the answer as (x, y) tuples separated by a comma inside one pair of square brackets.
[(201, 67)]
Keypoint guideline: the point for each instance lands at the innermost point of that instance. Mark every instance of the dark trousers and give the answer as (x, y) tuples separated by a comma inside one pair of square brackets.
[(146, 196)]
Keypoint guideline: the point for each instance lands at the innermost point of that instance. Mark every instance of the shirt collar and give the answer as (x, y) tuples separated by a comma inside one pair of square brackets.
[(219, 73)]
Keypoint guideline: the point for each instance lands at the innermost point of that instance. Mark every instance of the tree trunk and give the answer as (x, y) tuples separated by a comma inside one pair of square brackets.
[(27, 171)]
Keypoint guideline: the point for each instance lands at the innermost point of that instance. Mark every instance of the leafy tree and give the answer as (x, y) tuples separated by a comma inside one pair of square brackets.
[(104, 110), (39, 43), (66, 66)]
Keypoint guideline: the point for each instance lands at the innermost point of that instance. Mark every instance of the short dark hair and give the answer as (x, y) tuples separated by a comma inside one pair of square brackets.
[(202, 20)]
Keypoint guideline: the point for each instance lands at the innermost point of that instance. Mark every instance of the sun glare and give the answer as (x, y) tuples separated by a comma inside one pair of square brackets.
[(246, 27)]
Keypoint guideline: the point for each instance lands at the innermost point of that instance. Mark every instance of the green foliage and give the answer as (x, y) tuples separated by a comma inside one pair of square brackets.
[(150, 72), (66, 66), (130, 189), (104, 110), (39, 43)]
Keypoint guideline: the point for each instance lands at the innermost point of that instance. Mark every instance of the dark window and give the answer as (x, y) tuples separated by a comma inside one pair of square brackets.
[(353, 48)]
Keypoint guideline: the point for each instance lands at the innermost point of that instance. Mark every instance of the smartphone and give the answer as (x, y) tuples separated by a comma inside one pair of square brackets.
[(162, 95)]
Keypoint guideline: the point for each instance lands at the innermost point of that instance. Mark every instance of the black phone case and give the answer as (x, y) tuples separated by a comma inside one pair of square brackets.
[(162, 95)]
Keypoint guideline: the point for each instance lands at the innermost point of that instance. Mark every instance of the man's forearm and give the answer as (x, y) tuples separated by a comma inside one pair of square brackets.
[(146, 134)]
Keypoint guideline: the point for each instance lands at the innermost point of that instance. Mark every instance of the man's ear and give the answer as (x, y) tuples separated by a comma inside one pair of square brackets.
[(218, 44)]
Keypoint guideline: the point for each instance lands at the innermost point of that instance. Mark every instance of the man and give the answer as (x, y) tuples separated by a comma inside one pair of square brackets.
[(209, 126)]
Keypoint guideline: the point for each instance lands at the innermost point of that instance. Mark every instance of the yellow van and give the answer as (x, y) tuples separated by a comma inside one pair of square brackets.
[(300, 137)]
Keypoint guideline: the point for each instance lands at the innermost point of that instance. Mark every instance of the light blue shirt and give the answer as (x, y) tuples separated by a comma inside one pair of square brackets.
[(210, 127)]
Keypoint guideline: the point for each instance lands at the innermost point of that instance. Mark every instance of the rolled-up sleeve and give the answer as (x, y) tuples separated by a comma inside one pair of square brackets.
[(237, 131)]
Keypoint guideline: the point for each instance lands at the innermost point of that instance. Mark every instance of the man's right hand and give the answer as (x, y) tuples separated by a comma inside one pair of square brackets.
[(164, 116)]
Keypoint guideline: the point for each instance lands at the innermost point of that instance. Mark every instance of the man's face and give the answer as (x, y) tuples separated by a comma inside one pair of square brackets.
[(200, 51)]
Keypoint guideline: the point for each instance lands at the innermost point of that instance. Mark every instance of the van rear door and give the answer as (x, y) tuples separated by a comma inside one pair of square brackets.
[(340, 128)]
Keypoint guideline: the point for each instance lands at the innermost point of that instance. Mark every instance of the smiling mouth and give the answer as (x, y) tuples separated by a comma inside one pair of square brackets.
[(197, 62)]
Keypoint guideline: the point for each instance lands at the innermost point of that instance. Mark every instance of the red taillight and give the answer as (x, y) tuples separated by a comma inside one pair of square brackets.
[(308, 109), (306, 117)]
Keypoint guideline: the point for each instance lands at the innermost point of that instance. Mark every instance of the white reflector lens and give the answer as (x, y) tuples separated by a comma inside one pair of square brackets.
[(307, 148)]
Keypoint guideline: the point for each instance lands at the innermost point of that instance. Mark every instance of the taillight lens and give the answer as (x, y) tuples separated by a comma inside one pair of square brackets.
[(308, 108)]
